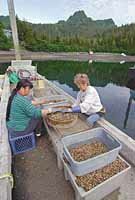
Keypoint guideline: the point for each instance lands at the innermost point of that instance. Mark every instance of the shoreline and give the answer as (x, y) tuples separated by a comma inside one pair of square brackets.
[(7, 56)]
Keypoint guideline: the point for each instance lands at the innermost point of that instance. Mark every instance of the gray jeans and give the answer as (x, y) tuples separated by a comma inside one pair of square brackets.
[(33, 124), (93, 118)]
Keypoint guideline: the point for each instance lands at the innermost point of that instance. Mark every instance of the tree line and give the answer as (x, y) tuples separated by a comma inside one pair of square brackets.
[(118, 39), (5, 43)]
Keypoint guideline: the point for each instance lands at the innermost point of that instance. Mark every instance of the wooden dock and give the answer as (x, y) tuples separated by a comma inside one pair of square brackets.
[(128, 145)]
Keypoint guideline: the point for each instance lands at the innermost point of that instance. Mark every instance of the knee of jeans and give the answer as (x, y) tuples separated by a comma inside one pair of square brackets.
[(93, 118)]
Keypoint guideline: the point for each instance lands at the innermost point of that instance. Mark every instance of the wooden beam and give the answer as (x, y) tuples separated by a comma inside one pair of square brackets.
[(14, 28)]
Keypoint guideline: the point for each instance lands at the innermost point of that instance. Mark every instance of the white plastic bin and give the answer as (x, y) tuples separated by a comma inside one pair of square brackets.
[(97, 162), (101, 190)]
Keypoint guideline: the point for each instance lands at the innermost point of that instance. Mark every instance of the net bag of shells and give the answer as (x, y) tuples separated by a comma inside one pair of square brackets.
[(62, 119)]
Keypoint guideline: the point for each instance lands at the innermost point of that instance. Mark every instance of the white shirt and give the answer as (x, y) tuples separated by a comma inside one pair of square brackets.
[(89, 101)]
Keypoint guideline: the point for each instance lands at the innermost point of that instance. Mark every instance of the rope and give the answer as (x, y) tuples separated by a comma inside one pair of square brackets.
[(9, 176)]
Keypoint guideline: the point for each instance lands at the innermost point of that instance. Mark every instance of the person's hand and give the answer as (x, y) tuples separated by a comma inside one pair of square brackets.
[(43, 101), (76, 109), (45, 112)]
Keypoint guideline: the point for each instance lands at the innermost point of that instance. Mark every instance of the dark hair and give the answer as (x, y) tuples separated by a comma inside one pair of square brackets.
[(22, 83)]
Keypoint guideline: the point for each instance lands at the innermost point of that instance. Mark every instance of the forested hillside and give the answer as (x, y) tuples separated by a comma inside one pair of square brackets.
[(77, 33)]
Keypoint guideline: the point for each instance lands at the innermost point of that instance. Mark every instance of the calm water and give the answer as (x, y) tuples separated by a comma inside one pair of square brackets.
[(109, 79)]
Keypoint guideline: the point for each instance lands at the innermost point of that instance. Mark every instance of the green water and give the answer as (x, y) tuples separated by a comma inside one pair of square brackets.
[(100, 74)]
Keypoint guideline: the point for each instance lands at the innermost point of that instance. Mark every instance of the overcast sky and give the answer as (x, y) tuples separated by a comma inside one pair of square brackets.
[(51, 11)]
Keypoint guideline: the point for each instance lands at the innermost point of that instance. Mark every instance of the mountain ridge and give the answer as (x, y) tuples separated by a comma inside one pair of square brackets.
[(77, 24)]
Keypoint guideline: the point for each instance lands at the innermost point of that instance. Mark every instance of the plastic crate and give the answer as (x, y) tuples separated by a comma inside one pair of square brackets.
[(100, 191), (97, 162), (23, 143)]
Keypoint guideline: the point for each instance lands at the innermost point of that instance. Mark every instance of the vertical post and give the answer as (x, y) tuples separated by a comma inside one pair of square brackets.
[(127, 112), (14, 28)]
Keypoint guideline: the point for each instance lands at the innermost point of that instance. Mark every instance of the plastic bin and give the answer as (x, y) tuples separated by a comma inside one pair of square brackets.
[(101, 190), (22, 143), (97, 162)]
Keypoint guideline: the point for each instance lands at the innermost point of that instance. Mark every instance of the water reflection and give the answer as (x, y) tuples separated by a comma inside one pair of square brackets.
[(131, 86), (100, 74), (3, 67)]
